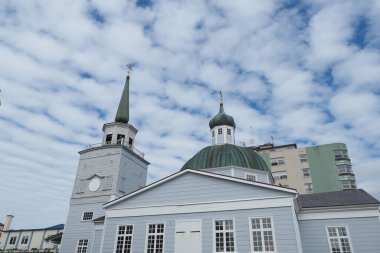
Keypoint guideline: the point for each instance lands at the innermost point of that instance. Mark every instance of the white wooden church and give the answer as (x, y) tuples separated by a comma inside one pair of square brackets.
[(222, 200)]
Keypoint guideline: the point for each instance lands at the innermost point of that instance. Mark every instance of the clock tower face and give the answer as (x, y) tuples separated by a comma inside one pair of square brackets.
[(94, 184)]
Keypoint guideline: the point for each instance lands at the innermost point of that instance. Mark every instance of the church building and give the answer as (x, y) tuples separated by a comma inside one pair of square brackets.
[(223, 199)]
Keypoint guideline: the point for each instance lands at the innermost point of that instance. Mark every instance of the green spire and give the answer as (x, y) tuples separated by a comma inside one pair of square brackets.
[(122, 115)]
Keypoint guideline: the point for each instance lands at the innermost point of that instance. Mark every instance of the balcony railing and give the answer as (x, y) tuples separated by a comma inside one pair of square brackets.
[(119, 142)]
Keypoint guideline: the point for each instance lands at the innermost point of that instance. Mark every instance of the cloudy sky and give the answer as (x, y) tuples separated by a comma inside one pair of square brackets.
[(305, 72)]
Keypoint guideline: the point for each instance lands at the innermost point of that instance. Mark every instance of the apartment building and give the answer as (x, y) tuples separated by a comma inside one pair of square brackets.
[(315, 169)]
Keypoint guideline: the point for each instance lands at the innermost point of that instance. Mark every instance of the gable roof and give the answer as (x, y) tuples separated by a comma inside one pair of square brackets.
[(338, 198), (210, 174)]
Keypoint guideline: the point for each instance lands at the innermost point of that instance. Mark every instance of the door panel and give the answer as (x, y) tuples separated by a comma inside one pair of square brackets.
[(188, 237)]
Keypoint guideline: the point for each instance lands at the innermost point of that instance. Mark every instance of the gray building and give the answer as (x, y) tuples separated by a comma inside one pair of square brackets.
[(222, 200)]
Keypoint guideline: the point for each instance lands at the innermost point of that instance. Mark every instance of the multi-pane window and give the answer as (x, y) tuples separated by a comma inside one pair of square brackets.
[(303, 158), (12, 240), (344, 168), (224, 236), (220, 131), (309, 187), (339, 154), (87, 216), (24, 239), (348, 184), (250, 177), (339, 240), (262, 235), (108, 138), (277, 161), (82, 246), (155, 241), (229, 131), (280, 175), (124, 239), (306, 172)]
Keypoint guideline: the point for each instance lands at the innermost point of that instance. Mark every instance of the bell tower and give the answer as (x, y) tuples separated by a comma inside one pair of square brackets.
[(106, 171)]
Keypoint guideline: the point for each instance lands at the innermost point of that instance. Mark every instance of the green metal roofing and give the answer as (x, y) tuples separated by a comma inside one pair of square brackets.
[(122, 115), (226, 155), (221, 119)]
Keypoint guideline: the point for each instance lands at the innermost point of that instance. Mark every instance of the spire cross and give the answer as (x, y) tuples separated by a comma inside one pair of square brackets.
[(221, 97), (129, 66)]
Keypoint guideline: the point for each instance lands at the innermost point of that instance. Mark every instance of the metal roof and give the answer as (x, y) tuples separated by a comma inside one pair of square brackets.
[(339, 198), (55, 227), (226, 155), (221, 119)]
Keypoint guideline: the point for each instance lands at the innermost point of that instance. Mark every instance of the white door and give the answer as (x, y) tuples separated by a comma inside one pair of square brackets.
[(188, 237)]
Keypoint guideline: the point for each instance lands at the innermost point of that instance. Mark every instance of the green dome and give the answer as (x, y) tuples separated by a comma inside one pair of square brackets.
[(226, 155), (221, 119)]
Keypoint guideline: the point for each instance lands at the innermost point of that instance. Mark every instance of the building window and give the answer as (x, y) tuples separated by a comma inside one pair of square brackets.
[(344, 168), (309, 187), (124, 239), (250, 177), (130, 141), (155, 238), (24, 239), (82, 246), (108, 138), (277, 161), (213, 133), (229, 131), (339, 240), (224, 236), (262, 234), (120, 139), (87, 216), (280, 175), (12, 240), (348, 184), (303, 158), (306, 172), (220, 131), (340, 154)]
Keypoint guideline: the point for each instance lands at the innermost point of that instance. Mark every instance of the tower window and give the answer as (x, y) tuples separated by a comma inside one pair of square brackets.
[(13, 240), (213, 133), (229, 131), (130, 141), (108, 138), (120, 139), (220, 131)]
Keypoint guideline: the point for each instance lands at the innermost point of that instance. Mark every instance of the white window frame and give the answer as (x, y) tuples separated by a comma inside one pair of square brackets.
[(124, 235), (262, 233), (10, 240), (224, 231), (303, 158), (339, 237), (306, 188), (24, 239), (85, 213), (340, 154), (83, 247), (283, 174), (155, 236), (347, 168), (277, 161), (303, 172), (229, 132), (220, 131), (251, 174), (350, 184)]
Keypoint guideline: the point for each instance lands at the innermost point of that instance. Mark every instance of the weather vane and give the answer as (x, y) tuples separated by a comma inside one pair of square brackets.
[(129, 66), (221, 97)]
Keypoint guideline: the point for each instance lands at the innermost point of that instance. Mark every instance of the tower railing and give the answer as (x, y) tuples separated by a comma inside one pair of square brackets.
[(118, 143)]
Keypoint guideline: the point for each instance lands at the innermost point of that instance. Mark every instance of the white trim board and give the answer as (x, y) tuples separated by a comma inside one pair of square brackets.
[(210, 174), (199, 208), (337, 214)]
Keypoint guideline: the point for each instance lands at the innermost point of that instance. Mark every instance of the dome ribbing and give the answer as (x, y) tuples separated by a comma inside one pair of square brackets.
[(226, 155), (221, 119)]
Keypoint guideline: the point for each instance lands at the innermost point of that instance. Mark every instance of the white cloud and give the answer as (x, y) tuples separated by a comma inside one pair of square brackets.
[(268, 59)]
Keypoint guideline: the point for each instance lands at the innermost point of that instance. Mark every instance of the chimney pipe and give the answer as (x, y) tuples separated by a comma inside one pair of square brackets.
[(8, 222)]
